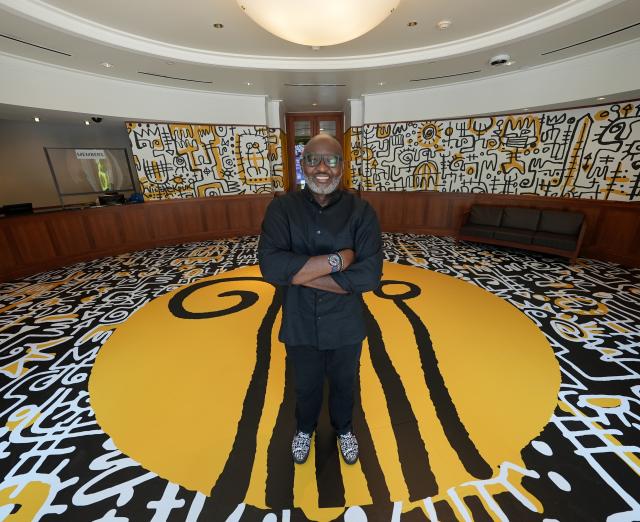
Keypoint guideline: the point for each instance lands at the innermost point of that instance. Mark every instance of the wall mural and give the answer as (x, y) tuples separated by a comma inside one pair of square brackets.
[(353, 157), (182, 160), (591, 153)]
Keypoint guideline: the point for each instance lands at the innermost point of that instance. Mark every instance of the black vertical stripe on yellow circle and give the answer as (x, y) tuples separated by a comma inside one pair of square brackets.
[(412, 451), (280, 467), (444, 405), (328, 475), (376, 483), (233, 482)]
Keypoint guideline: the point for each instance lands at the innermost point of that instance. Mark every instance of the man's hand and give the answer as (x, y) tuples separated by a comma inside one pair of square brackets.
[(348, 257)]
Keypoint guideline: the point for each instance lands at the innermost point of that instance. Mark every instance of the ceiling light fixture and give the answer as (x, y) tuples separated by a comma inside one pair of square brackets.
[(314, 104), (249, 84), (412, 23), (36, 119), (337, 22), (218, 26), (107, 65), (601, 98), (381, 83), (86, 122), (443, 24)]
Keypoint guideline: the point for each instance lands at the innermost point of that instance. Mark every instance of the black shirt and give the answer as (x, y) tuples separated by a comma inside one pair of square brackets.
[(296, 228)]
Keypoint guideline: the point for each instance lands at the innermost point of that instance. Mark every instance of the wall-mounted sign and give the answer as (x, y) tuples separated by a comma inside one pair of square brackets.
[(95, 154)]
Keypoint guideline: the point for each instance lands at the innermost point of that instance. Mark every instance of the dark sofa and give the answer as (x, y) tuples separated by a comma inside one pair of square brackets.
[(557, 232)]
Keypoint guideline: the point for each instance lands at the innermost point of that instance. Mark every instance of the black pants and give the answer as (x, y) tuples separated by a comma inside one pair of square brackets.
[(310, 366)]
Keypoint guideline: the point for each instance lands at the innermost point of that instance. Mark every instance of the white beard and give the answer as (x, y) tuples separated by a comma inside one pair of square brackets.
[(324, 190)]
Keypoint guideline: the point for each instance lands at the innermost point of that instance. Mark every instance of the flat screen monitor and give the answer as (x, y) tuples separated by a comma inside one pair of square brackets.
[(89, 171)]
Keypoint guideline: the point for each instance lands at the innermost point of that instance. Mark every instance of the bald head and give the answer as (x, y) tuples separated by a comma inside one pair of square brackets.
[(323, 141)]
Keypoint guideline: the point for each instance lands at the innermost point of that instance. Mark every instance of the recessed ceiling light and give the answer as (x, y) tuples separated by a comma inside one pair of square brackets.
[(86, 122), (218, 26), (321, 129), (314, 104), (36, 119), (249, 84), (381, 83), (601, 98), (107, 65), (413, 23), (315, 47), (525, 110), (443, 24)]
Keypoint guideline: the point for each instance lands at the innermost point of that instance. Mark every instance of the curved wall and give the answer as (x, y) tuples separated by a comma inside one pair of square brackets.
[(603, 73), (33, 84)]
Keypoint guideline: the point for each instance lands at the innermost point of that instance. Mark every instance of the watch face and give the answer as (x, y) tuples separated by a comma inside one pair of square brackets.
[(334, 261)]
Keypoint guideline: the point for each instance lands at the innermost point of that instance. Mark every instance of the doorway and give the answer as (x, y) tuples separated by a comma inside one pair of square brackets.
[(301, 127)]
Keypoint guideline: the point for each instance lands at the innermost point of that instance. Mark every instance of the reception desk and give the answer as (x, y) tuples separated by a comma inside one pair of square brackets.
[(39, 242)]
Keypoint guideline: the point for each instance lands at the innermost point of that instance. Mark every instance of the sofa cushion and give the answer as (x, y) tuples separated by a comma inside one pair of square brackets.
[(484, 215), (517, 235), (477, 230), (559, 241), (523, 218), (560, 222)]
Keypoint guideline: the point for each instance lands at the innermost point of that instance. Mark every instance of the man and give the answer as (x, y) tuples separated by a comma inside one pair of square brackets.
[(322, 248)]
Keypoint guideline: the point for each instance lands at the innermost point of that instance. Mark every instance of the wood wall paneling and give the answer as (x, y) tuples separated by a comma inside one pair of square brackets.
[(135, 225), (69, 234), (7, 257), (215, 217), (189, 219), (239, 216), (30, 244), (33, 239), (105, 228), (163, 221)]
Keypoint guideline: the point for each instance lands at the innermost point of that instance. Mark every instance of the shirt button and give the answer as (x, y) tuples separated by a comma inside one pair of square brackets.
[(318, 232)]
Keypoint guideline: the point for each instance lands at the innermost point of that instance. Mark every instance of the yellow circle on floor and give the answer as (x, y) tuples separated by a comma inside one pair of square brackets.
[(169, 389)]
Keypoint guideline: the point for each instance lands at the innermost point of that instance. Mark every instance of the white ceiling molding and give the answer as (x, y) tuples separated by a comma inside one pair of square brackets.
[(45, 14)]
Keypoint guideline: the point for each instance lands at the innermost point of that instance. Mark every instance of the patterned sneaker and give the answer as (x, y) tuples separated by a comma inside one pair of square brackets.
[(348, 447), (300, 447)]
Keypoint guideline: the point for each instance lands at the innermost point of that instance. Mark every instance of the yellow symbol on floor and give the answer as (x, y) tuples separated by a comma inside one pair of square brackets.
[(170, 390)]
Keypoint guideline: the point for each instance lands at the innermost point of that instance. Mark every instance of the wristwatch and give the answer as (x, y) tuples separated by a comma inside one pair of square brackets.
[(335, 262)]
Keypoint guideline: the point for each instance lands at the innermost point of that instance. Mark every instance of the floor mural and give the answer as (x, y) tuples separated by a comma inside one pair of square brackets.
[(495, 385)]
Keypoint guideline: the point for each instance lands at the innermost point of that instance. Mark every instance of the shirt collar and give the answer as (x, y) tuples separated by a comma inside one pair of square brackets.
[(334, 197)]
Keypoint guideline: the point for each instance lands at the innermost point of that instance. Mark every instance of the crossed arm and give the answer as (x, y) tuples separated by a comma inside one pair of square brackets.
[(280, 265), (315, 273)]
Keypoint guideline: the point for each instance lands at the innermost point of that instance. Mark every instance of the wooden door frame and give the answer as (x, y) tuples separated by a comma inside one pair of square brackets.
[(315, 117)]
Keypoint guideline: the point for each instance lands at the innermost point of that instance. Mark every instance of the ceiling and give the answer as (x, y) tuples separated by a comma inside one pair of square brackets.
[(169, 43)]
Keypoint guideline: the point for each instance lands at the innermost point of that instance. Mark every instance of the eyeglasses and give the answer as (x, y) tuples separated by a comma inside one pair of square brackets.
[(312, 159)]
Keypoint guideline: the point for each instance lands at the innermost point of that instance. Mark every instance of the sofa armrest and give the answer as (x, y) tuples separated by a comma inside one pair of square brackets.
[(464, 218), (583, 229)]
